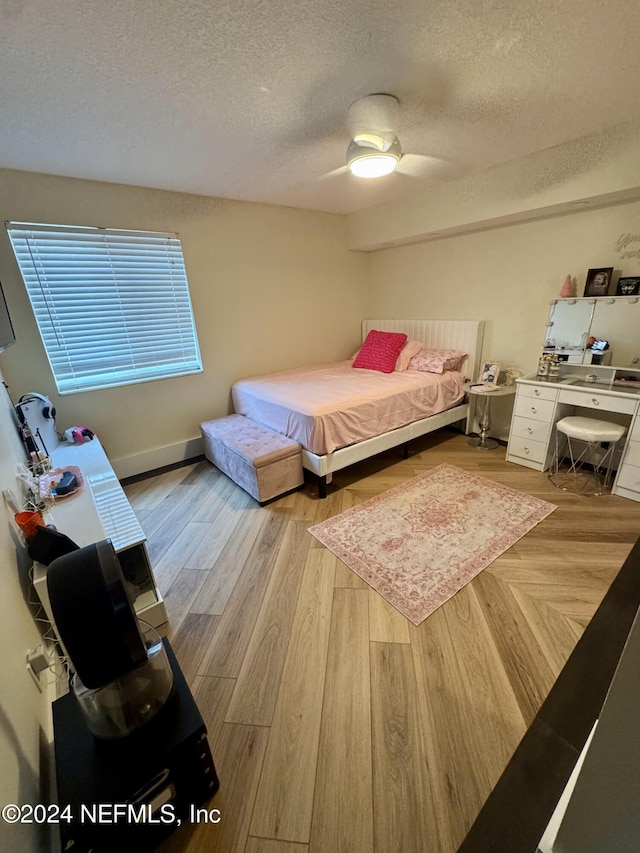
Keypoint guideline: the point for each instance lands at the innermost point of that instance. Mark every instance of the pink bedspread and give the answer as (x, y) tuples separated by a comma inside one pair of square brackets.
[(329, 406)]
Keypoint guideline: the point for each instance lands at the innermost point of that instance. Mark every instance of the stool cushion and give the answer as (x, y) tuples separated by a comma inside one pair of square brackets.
[(590, 429)]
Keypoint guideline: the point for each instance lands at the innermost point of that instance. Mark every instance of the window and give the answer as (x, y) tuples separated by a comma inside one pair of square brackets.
[(113, 307)]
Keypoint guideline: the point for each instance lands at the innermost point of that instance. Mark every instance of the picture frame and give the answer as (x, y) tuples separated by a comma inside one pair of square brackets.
[(628, 286), (489, 373), (598, 281)]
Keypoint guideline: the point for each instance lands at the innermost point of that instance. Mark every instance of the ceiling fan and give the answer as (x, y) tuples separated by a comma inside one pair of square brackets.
[(375, 149)]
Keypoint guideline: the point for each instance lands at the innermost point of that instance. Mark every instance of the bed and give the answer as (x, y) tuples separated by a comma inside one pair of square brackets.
[(340, 415)]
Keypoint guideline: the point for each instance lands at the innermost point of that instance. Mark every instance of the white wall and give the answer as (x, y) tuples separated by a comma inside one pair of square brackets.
[(272, 288), (503, 275), (24, 712)]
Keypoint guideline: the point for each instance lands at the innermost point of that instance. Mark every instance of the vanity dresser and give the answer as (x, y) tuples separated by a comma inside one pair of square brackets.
[(583, 387)]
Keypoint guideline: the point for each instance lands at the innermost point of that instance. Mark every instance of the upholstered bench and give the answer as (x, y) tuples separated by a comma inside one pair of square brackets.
[(264, 463)]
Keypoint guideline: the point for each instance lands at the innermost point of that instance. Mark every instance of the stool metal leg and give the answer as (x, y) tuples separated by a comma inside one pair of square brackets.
[(557, 456), (586, 465), (605, 463), (592, 454), (554, 475)]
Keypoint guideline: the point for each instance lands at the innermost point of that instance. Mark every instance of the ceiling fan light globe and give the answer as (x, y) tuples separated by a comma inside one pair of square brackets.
[(374, 166), (367, 162)]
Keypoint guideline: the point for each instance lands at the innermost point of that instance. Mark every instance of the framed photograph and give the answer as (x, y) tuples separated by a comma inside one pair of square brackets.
[(489, 373), (628, 286), (598, 281)]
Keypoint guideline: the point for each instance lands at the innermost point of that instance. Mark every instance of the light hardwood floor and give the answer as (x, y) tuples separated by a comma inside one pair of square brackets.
[(336, 724)]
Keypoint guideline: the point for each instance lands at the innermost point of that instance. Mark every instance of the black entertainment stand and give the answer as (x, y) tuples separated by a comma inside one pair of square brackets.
[(155, 775)]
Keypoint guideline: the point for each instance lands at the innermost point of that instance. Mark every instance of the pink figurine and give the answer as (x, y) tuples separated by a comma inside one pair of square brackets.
[(568, 288)]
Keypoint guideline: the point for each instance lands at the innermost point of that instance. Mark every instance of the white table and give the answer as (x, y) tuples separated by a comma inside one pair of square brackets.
[(100, 510), (483, 441)]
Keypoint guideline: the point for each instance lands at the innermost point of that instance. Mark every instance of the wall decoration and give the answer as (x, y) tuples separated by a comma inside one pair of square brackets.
[(598, 281), (628, 246), (628, 286)]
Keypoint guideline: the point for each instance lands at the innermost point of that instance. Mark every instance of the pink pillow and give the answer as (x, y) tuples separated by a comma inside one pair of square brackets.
[(380, 351), (438, 360), (407, 352)]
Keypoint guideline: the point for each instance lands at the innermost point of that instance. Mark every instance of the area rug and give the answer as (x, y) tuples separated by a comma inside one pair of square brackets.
[(419, 543)]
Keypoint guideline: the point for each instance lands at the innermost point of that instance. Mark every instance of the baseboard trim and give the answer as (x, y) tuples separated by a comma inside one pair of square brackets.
[(160, 457)]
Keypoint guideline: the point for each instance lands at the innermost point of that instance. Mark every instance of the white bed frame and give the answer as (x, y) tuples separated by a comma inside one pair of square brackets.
[(465, 335)]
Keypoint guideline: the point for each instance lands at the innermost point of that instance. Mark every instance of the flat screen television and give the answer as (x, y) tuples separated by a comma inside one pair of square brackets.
[(7, 335)]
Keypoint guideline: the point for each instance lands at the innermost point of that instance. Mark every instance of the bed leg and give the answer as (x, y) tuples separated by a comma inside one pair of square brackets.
[(322, 487), (405, 450)]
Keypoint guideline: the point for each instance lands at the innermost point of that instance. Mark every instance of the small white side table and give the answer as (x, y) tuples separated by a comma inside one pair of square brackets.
[(483, 441)]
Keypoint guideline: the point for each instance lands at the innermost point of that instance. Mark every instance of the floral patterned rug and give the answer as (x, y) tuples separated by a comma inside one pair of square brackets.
[(421, 542)]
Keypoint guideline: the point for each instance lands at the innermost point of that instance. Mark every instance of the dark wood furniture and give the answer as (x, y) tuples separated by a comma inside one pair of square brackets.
[(167, 762), (518, 809)]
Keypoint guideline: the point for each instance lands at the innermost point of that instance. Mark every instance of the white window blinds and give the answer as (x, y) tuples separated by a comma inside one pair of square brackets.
[(113, 307)]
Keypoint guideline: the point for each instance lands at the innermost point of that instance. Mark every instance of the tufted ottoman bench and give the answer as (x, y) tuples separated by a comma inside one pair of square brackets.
[(263, 462)]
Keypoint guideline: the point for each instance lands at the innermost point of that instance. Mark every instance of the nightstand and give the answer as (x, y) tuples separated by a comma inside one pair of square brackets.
[(483, 441)]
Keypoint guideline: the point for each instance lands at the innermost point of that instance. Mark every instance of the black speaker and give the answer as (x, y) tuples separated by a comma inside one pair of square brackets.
[(94, 616)]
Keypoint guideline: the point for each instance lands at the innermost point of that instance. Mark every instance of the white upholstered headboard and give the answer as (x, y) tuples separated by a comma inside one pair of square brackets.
[(464, 335)]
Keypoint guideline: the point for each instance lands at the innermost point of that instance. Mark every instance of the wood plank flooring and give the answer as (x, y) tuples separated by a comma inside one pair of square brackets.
[(335, 724)]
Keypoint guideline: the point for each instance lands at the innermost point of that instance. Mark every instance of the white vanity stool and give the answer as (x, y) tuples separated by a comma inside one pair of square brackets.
[(585, 438)]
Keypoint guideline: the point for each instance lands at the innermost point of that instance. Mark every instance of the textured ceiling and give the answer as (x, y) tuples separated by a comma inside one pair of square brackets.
[(249, 99)]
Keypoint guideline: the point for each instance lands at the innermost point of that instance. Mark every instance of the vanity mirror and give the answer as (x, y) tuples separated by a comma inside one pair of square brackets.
[(568, 327), (618, 321), (614, 319)]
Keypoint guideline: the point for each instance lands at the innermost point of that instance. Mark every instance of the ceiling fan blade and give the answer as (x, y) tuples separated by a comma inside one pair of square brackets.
[(334, 173), (423, 166)]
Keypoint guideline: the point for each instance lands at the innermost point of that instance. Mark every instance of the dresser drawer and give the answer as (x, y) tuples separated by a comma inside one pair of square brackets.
[(538, 410), (530, 429), (634, 435), (629, 478), (538, 392), (595, 400), (632, 456), (532, 450)]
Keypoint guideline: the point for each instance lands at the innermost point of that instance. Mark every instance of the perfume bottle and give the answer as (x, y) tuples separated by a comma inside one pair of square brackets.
[(554, 368), (543, 366)]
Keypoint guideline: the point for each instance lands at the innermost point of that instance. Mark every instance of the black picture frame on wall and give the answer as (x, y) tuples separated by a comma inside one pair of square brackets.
[(628, 286), (598, 281)]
